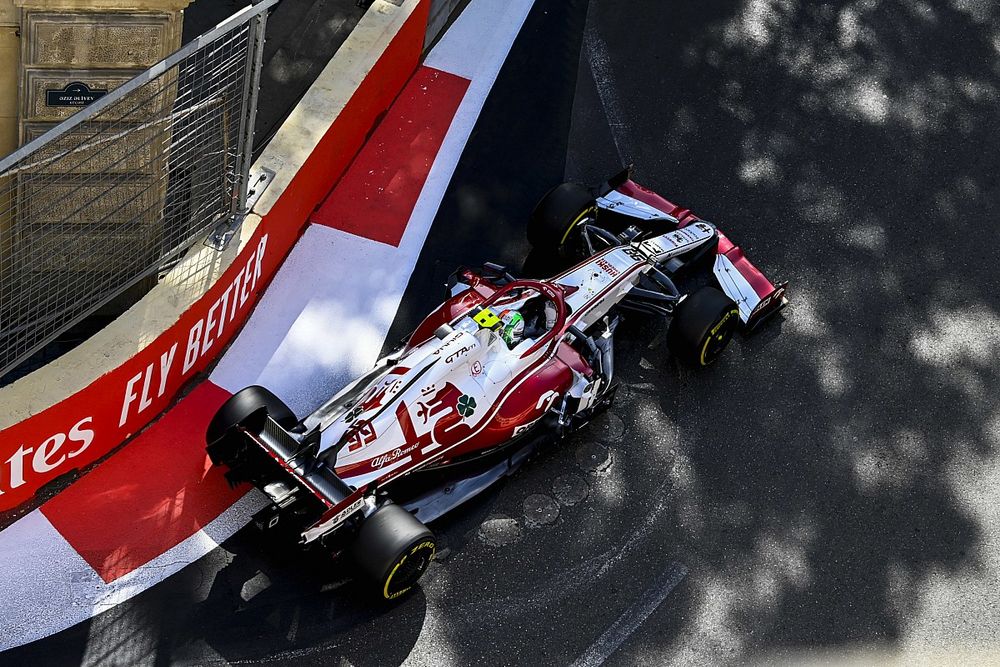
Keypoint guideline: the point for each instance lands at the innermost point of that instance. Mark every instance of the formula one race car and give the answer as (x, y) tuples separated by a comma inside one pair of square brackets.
[(500, 367)]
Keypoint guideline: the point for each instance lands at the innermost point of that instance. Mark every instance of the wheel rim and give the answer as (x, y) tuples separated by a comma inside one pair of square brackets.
[(408, 569), (719, 336)]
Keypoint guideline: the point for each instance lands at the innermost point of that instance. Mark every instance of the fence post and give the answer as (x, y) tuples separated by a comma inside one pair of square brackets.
[(220, 237), (255, 56)]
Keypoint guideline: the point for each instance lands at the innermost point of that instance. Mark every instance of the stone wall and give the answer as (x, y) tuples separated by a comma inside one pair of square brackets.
[(66, 54), (9, 68), (10, 59), (101, 44)]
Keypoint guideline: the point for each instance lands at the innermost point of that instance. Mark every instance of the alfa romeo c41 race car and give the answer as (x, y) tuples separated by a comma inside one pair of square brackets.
[(500, 367)]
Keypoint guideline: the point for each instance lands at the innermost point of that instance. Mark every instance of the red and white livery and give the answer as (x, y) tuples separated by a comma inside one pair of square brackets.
[(500, 367)]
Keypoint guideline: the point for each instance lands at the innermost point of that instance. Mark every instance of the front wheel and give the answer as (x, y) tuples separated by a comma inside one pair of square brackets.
[(702, 326), (394, 549), (557, 214)]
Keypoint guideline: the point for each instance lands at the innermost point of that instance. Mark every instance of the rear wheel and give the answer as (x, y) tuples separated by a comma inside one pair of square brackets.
[(394, 549), (244, 403), (702, 326), (557, 214)]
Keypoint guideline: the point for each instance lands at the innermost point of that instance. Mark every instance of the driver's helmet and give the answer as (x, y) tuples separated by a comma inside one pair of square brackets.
[(511, 328)]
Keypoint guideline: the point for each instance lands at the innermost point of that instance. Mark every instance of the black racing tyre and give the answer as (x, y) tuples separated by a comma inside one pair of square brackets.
[(702, 326), (557, 214), (394, 549), (244, 403)]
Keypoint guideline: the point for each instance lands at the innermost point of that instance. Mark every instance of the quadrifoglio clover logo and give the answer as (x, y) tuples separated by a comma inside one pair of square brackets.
[(466, 405)]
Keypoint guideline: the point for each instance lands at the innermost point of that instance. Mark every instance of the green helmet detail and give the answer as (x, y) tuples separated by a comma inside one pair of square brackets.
[(512, 328)]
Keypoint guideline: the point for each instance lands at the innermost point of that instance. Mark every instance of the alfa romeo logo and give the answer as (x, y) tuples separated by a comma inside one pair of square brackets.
[(466, 405)]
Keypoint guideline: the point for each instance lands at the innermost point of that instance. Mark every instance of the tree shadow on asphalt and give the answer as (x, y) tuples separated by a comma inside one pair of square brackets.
[(833, 482), (828, 485), (829, 482), (275, 602)]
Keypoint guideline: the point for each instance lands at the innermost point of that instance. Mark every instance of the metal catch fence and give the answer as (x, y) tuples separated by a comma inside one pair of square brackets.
[(126, 186)]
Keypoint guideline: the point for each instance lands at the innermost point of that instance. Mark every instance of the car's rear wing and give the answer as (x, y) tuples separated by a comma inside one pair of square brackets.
[(287, 467)]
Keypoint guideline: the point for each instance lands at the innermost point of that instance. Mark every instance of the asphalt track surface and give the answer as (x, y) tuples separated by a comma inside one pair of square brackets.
[(827, 492)]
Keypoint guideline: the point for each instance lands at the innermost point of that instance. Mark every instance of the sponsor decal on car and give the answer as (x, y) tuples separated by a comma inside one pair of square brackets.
[(546, 400), (466, 405), (721, 322), (634, 253), (458, 353), (361, 433), (442, 401), (389, 457), (333, 522), (342, 515), (774, 298), (607, 267), (454, 347)]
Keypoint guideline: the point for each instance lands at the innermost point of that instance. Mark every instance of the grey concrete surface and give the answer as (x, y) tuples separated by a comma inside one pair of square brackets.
[(827, 494)]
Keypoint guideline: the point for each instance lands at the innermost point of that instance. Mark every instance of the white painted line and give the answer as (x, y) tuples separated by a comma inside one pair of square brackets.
[(461, 51), (44, 581), (498, 31), (321, 323), (324, 318), (48, 587), (599, 58), (633, 617)]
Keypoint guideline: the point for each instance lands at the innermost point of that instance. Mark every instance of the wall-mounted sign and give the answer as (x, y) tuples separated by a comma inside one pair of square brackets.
[(76, 94)]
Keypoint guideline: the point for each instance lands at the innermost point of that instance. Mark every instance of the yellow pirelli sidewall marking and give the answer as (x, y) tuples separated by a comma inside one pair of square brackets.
[(388, 580), (574, 223), (715, 330)]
